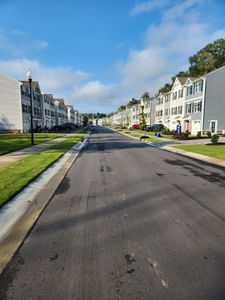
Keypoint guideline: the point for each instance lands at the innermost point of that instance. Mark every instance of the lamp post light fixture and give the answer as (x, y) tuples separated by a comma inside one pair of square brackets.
[(29, 77)]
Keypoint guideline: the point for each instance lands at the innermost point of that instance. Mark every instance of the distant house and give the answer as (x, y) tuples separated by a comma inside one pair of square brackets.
[(214, 102), (177, 102), (10, 104), (61, 111), (70, 114), (37, 105), (205, 103), (159, 107), (49, 115), (194, 96), (149, 110)]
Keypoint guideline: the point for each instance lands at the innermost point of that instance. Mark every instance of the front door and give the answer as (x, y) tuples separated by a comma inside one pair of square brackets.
[(213, 126), (195, 127)]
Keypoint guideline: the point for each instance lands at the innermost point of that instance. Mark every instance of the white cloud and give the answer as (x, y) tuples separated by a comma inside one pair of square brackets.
[(64, 82), (17, 43), (94, 91), (147, 6), (39, 44), (51, 79), (182, 31)]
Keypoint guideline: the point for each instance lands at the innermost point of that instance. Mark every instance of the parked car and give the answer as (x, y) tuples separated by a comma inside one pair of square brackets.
[(155, 127), (63, 127), (136, 126)]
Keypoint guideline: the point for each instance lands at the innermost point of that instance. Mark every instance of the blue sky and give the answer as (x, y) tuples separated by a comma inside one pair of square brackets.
[(98, 54)]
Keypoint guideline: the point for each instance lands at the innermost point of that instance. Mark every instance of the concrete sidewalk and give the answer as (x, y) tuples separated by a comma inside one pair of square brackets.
[(14, 156)]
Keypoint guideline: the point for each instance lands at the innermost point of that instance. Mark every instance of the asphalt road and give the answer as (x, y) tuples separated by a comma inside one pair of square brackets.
[(128, 222)]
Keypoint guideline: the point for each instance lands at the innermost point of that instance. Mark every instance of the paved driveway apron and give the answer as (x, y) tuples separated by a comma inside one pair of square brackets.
[(127, 222)]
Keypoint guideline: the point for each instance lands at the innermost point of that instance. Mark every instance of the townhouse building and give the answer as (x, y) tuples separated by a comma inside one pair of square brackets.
[(166, 109), (194, 94), (205, 102), (37, 105), (177, 103), (60, 111), (149, 110), (11, 118), (49, 116), (135, 111), (159, 108), (15, 109), (70, 114)]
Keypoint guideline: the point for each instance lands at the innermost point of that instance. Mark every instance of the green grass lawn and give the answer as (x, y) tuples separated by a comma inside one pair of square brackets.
[(11, 142), (17, 175), (217, 151)]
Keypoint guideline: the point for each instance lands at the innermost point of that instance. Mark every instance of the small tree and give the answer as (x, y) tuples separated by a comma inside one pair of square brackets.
[(142, 118), (215, 139), (127, 121)]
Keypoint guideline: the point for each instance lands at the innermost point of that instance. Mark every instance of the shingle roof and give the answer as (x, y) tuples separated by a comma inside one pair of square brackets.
[(60, 100), (182, 79), (34, 84)]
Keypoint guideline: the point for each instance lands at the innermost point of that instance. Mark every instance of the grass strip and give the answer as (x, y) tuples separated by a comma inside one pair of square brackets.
[(217, 151), (11, 142), (17, 175)]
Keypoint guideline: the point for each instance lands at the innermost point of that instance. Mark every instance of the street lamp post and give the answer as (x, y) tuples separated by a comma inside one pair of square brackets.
[(29, 77)]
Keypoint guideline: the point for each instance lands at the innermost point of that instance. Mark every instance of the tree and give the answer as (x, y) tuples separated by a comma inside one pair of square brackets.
[(127, 121), (145, 95), (85, 119), (209, 58), (166, 88), (132, 102), (122, 107), (142, 118)]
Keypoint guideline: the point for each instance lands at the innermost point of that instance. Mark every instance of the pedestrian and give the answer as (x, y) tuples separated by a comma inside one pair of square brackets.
[(178, 128)]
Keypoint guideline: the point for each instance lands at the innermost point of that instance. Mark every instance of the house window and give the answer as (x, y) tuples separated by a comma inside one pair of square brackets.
[(198, 106), (180, 110), (189, 90), (174, 95), (167, 111), (180, 93), (174, 111), (198, 87), (167, 98)]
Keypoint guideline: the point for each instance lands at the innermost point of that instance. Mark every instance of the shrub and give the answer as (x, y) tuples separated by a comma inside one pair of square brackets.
[(215, 139), (208, 134), (135, 126), (166, 131), (182, 135), (199, 135)]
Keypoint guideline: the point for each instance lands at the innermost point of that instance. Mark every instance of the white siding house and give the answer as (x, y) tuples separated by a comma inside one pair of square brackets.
[(177, 103), (10, 104)]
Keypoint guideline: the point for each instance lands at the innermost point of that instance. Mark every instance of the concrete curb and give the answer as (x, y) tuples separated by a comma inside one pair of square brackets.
[(19, 215)]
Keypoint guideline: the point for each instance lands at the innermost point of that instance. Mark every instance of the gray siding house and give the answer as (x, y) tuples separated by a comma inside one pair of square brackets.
[(214, 104)]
